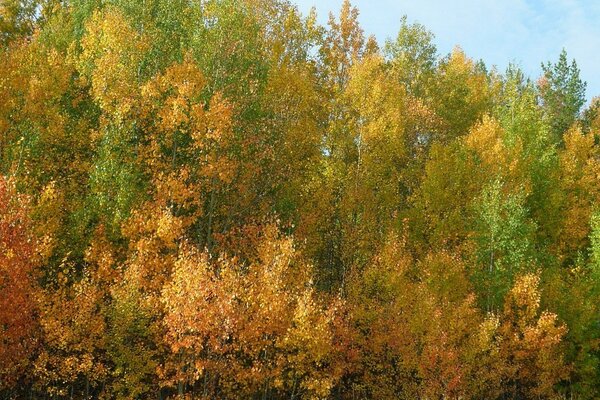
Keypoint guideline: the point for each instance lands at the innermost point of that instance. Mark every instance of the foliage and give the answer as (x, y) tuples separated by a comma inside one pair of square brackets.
[(224, 199)]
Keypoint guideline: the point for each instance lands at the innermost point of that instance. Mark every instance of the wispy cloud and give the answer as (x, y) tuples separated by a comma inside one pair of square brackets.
[(527, 32)]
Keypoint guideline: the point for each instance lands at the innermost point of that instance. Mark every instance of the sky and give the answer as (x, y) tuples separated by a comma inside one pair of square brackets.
[(525, 32)]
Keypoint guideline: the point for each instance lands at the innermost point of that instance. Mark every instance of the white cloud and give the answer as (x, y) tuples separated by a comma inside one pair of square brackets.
[(528, 32)]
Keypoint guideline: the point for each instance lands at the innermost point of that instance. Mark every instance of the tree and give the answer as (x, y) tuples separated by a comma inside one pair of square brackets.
[(534, 161), (562, 94), (224, 199), (344, 44), (463, 93), (503, 235), (440, 215), (19, 325), (72, 358), (413, 57), (531, 342), (133, 338), (579, 171), (590, 120), (17, 19), (254, 330)]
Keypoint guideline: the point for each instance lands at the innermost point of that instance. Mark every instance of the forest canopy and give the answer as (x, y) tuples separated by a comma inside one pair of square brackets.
[(224, 199)]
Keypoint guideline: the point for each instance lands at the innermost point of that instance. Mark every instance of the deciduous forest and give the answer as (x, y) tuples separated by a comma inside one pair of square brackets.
[(225, 199)]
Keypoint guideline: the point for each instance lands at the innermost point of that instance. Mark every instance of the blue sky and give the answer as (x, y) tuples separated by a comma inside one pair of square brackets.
[(526, 32)]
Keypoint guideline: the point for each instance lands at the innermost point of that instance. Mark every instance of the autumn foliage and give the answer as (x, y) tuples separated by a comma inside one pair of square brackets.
[(18, 270), (225, 200)]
